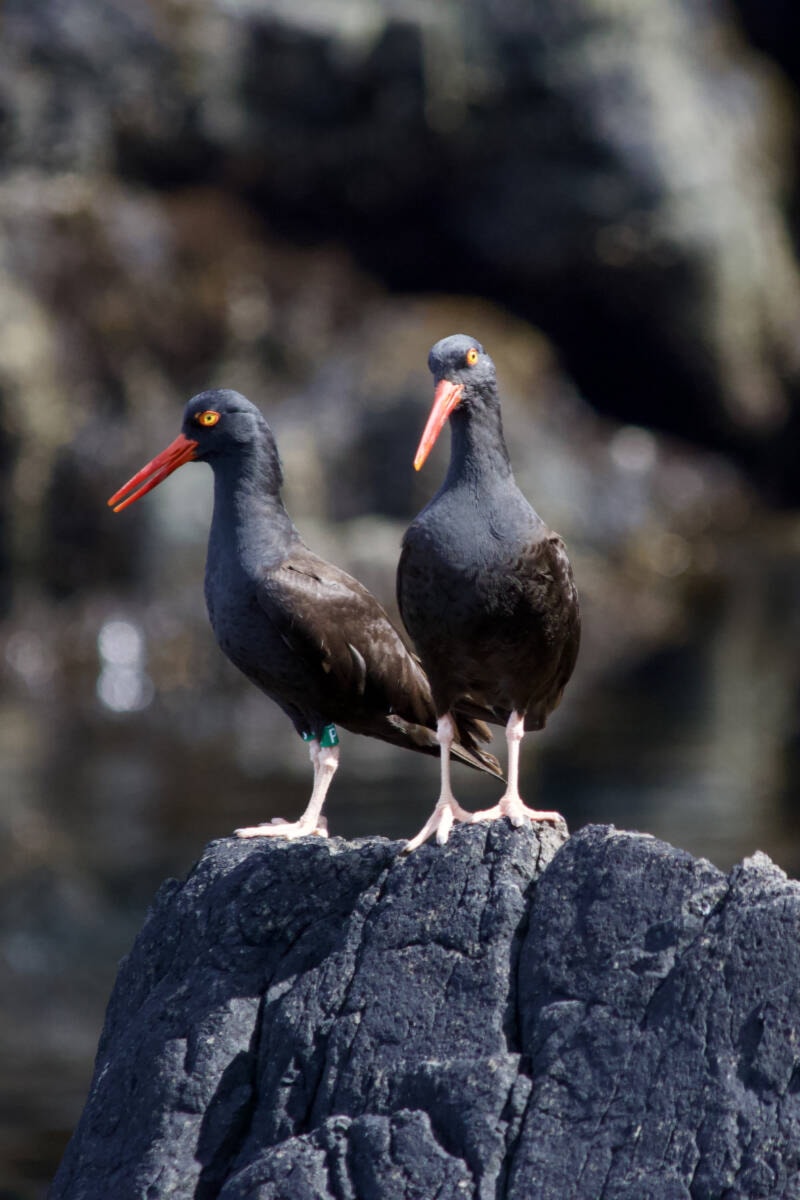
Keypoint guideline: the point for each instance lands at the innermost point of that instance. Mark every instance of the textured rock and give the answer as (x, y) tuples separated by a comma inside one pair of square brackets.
[(501, 1018)]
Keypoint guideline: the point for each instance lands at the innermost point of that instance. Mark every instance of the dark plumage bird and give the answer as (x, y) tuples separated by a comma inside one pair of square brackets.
[(306, 633), (484, 587)]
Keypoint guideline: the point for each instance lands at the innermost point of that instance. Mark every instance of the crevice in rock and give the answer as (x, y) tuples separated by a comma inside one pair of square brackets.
[(240, 1073)]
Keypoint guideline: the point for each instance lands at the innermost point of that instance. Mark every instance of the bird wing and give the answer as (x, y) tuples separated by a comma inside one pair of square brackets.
[(359, 670), (336, 627), (550, 588)]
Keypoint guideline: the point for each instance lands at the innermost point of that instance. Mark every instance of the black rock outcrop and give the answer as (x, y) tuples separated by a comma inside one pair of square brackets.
[(509, 1016)]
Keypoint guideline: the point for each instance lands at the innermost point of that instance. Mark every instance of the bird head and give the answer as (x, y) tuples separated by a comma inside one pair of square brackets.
[(222, 422), (464, 377), (216, 424)]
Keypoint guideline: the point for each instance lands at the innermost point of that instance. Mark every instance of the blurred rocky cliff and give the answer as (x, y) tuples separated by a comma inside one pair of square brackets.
[(296, 201)]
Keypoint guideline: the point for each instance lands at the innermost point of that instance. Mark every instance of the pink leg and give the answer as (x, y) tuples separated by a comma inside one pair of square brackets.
[(447, 808), (325, 760), (510, 804)]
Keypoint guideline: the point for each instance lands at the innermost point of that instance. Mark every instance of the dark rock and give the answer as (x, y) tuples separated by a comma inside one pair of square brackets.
[(773, 26), (505, 1017), (557, 158), (617, 175)]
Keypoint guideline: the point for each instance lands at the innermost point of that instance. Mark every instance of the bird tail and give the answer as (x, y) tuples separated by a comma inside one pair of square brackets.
[(466, 749), (470, 732)]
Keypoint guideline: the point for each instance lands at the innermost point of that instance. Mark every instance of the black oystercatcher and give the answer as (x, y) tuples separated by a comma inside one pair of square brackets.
[(306, 633), (484, 587)]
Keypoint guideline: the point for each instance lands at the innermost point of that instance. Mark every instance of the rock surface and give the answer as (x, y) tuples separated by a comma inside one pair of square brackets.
[(506, 1017)]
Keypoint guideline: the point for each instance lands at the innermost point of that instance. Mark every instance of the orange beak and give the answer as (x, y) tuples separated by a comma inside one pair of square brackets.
[(445, 399), (181, 451)]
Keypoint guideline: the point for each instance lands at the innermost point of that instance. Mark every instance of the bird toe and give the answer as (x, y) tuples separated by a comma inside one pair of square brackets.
[(278, 828), (444, 826), (441, 822)]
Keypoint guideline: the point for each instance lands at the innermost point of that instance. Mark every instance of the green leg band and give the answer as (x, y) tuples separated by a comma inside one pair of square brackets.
[(329, 736)]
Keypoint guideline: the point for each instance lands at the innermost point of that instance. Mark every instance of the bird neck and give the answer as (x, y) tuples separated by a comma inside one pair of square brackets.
[(249, 521), (477, 446)]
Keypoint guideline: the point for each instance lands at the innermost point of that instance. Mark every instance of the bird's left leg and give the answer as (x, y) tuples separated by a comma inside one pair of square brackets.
[(325, 760), (447, 808), (510, 804)]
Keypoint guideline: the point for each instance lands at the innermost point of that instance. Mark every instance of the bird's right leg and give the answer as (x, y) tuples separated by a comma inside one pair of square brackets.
[(325, 760), (447, 808), (510, 804)]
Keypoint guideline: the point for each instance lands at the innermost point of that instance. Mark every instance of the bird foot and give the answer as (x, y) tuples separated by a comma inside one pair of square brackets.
[(513, 808), (277, 827), (440, 822)]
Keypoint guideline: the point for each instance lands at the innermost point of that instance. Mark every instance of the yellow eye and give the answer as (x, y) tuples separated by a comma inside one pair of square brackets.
[(472, 356), (207, 418)]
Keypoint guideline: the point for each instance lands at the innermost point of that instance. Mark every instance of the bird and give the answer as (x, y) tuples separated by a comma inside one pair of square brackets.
[(306, 633), (484, 587)]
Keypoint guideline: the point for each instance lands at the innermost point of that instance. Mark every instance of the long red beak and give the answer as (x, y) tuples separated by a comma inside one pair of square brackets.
[(181, 451), (445, 399)]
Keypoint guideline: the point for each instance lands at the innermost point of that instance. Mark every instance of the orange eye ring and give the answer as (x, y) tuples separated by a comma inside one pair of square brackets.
[(207, 418), (472, 356)]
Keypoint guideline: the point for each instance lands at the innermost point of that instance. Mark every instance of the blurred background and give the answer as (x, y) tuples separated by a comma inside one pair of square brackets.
[(296, 201)]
